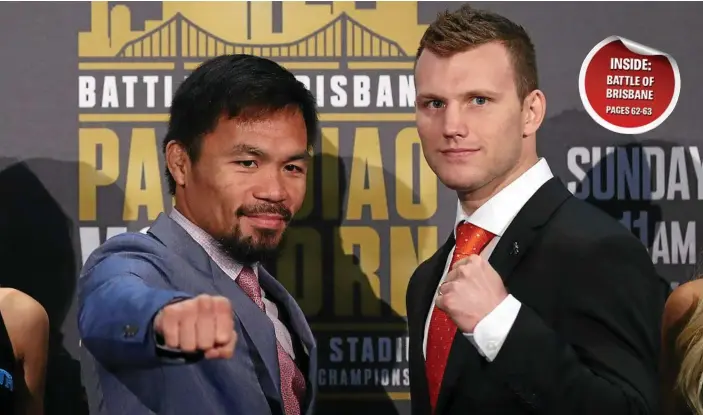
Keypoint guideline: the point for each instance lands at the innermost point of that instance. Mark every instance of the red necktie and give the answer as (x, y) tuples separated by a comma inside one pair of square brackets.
[(470, 239), (292, 380)]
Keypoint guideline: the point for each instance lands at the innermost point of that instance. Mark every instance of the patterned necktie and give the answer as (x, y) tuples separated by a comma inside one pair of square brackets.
[(470, 239), (292, 380)]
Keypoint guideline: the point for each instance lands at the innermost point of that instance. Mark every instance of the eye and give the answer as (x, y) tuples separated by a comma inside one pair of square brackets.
[(434, 104), (294, 168), (246, 163), (479, 100)]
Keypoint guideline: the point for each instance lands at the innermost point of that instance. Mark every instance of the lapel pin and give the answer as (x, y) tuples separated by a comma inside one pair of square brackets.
[(515, 250)]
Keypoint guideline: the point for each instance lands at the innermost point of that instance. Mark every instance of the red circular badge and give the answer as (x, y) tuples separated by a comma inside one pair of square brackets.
[(627, 87)]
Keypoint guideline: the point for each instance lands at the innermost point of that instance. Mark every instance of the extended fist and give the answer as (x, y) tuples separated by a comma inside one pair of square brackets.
[(470, 292), (204, 323)]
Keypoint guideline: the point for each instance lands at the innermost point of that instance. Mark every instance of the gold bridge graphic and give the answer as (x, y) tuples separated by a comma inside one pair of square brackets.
[(317, 41), (342, 39)]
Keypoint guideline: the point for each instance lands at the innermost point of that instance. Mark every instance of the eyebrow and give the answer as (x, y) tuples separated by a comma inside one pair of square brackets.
[(256, 151), (467, 94), (482, 93), (304, 156), (247, 149), (429, 96)]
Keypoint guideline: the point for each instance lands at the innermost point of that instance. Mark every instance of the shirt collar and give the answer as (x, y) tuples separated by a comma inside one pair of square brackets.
[(496, 214)]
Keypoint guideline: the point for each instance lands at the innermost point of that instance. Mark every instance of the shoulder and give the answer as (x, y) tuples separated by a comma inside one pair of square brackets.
[(18, 306), (25, 319), (585, 230), (681, 303), (125, 247), (586, 219), (131, 241), (597, 250)]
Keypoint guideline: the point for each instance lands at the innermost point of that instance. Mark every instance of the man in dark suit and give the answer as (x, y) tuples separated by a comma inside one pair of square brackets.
[(537, 303), (161, 313)]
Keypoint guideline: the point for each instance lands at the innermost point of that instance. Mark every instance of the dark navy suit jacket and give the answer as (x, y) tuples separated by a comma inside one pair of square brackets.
[(123, 285)]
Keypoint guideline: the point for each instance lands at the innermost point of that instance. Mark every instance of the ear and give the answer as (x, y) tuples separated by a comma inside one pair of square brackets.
[(177, 161), (534, 108)]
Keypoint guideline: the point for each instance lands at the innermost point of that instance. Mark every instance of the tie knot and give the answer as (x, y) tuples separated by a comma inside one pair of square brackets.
[(471, 239), (249, 283)]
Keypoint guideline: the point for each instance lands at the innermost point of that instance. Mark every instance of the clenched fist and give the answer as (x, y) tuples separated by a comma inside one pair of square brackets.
[(204, 323), (470, 292)]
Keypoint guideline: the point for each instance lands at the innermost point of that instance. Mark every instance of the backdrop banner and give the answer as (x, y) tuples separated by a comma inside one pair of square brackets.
[(86, 90)]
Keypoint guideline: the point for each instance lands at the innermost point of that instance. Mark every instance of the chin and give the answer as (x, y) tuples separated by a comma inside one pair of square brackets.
[(264, 234), (461, 182)]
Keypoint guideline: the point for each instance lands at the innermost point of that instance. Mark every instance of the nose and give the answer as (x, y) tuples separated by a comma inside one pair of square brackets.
[(455, 122), (271, 189)]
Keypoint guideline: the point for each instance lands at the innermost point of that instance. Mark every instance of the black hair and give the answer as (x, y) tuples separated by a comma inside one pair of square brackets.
[(234, 86)]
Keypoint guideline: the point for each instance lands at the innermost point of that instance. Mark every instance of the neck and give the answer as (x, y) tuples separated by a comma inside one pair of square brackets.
[(181, 205), (471, 201)]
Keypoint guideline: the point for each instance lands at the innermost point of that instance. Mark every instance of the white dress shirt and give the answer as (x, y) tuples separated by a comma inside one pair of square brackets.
[(232, 269), (495, 216)]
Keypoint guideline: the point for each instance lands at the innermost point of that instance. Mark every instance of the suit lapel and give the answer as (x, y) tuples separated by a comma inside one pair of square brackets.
[(524, 229), (172, 235), (511, 248), (427, 285), (298, 323), (254, 321)]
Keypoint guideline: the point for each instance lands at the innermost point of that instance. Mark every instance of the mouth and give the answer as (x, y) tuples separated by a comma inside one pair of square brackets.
[(459, 152), (267, 221)]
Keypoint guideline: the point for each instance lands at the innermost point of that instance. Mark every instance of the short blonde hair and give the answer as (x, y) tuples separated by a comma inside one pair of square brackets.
[(466, 28)]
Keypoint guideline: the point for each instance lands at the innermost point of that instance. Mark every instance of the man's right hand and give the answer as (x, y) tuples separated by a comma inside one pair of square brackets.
[(204, 323)]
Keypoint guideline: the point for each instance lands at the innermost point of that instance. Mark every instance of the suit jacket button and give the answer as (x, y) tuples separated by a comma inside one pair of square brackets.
[(130, 331)]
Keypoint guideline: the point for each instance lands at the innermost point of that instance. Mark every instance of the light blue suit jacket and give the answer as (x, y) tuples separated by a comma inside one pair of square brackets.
[(123, 285)]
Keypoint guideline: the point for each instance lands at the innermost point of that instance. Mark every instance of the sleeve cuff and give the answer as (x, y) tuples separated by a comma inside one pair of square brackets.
[(491, 332)]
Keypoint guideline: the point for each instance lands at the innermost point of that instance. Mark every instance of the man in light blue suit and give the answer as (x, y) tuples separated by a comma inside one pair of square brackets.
[(183, 319)]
